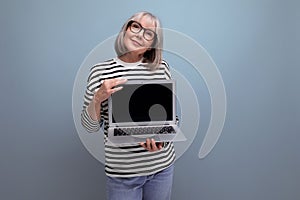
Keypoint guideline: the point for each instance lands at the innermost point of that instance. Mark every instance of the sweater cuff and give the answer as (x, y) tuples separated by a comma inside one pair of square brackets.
[(88, 123)]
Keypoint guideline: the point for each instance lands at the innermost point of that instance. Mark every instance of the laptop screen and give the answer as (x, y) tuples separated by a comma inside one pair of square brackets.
[(143, 102)]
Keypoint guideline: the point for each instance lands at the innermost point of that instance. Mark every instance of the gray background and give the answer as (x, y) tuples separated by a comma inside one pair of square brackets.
[(255, 45)]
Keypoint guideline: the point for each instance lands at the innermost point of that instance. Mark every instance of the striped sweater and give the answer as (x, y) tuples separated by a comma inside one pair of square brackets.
[(125, 160)]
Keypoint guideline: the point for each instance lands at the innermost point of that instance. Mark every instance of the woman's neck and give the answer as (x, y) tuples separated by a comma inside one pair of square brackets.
[(129, 58)]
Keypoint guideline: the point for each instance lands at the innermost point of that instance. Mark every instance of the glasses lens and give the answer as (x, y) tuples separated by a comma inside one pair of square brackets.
[(149, 35), (135, 27)]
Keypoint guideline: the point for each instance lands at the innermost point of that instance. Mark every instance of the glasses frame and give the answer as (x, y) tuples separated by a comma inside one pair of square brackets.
[(141, 28)]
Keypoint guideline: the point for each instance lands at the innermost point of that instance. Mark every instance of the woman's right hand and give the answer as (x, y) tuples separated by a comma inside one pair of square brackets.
[(108, 87)]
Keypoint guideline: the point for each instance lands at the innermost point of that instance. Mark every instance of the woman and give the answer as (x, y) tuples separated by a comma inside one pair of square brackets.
[(137, 171)]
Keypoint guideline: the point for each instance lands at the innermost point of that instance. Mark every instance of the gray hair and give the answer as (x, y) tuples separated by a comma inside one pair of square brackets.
[(153, 56)]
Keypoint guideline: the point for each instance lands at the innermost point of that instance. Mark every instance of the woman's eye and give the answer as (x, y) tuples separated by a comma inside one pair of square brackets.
[(135, 26), (149, 34)]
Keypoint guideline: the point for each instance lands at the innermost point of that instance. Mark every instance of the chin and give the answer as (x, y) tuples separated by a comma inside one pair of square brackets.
[(136, 50)]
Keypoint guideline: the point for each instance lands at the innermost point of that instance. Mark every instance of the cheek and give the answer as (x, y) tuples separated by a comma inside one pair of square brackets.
[(126, 38), (148, 44)]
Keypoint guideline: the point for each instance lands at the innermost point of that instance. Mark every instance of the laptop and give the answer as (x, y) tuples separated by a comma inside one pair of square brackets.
[(143, 109)]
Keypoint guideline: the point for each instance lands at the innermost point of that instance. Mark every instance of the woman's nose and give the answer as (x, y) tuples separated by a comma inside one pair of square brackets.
[(140, 34)]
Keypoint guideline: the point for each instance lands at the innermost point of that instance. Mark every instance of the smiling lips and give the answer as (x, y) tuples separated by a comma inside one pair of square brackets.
[(136, 43)]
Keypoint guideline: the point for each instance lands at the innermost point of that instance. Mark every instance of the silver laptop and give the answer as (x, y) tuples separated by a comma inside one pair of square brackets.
[(143, 109)]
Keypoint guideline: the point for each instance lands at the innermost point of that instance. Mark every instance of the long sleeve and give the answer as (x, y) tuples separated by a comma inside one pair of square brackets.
[(87, 122)]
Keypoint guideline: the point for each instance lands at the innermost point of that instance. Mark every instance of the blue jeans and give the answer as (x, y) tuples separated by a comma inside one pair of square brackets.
[(153, 187)]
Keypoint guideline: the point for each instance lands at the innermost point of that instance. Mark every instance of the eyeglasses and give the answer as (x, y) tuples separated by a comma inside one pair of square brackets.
[(136, 27)]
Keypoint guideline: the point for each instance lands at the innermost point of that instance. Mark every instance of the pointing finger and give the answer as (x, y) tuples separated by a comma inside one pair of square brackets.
[(116, 89), (119, 81)]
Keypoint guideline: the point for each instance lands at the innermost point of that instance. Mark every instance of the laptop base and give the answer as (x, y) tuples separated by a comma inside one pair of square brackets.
[(133, 139)]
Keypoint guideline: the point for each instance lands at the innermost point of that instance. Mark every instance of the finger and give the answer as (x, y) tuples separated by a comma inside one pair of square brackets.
[(118, 81), (116, 89), (159, 145), (153, 145), (121, 80), (113, 90), (143, 144), (148, 144), (109, 83)]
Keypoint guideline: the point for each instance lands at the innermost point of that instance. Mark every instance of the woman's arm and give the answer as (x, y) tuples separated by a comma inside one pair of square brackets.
[(91, 116)]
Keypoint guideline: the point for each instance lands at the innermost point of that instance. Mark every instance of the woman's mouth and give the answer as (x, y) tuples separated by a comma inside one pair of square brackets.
[(136, 43)]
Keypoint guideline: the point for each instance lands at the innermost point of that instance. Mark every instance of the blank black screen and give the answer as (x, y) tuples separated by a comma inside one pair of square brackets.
[(143, 103)]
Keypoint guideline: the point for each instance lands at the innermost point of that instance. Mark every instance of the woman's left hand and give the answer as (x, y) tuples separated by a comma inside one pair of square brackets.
[(151, 145)]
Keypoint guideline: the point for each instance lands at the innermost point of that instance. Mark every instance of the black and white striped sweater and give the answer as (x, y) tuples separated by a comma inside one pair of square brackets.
[(129, 160)]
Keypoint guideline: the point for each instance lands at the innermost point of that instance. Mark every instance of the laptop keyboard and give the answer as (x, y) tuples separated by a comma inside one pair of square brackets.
[(144, 130)]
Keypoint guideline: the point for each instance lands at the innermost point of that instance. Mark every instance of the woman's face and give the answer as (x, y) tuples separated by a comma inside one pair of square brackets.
[(137, 38)]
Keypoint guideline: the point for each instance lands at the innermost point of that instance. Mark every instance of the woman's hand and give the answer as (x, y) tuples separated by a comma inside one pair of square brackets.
[(107, 88), (151, 145)]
